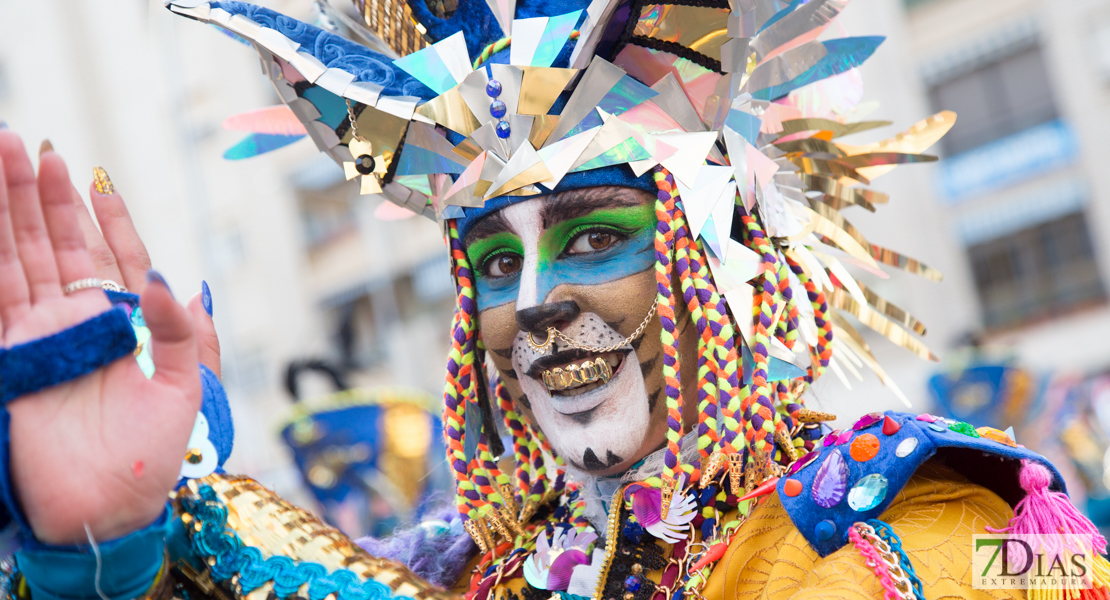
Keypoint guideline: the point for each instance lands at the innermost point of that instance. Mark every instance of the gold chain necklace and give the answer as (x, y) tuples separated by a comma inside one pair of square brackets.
[(553, 333)]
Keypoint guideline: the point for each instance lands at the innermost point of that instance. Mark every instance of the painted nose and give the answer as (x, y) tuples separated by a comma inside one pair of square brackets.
[(538, 319)]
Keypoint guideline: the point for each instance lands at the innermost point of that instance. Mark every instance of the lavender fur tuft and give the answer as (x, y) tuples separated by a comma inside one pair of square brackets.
[(433, 551)]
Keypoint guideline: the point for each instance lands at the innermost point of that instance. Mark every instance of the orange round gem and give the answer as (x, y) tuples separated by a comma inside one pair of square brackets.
[(864, 447), (792, 487)]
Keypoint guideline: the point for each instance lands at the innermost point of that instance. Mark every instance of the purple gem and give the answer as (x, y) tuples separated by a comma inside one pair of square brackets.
[(493, 88), (632, 583), (867, 421), (503, 130), (844, 437), (831, 481), (497, 109), (802, 462), (830, 438)]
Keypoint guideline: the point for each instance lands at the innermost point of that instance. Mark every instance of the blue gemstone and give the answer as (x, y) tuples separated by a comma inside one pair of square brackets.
[(868, 493), (493, 88), (632, 583), (503, 130), (497, 109), (937, 428), (825, 530), (633, 532)]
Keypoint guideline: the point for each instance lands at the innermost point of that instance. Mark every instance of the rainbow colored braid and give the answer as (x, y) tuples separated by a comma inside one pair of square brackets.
[(522, 439), (724, 346), (456, 393), (665, 302), (759, 410), (707, 369), (823, 352)]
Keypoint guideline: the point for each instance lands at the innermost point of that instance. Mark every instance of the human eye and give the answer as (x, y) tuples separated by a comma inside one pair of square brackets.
[(595, 239), (502, 264)]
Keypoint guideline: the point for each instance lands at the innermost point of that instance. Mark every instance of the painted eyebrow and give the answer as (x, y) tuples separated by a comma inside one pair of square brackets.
[(487, 226), (569, 205)]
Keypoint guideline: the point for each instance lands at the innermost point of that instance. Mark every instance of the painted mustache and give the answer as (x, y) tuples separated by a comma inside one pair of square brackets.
[(559, 378)]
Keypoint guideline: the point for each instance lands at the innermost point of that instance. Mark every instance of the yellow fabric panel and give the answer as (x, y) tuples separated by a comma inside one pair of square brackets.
[(935, 516)]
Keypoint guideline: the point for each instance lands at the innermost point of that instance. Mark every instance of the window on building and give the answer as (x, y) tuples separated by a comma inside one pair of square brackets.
[(994, 96), (1036, 273)]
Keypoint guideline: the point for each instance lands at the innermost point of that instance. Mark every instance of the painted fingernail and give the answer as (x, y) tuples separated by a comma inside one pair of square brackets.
[(155, 276), (45, 147), (102, 182), (206, 297)]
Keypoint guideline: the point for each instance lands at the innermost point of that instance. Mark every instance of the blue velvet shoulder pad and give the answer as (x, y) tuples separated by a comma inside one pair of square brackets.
[(859, 477)]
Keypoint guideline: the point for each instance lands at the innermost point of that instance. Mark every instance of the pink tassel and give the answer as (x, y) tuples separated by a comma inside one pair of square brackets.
[(1044, 511)]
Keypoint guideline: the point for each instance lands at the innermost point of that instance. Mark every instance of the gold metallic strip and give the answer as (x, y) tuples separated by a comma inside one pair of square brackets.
[(836, 128), (878, 159), (891, 310), (838, 195), (821, 166), (828, 222), (894, 259), (813, 144), (849, 331), (889, 329)]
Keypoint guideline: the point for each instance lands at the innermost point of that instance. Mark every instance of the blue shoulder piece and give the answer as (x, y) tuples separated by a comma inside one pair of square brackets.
[(854, 475)]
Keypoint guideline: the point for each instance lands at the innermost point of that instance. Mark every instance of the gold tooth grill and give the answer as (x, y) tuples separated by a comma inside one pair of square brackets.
[(574, 375)]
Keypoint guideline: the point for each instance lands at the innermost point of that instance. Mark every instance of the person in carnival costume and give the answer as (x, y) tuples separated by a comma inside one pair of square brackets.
[(651, 266)]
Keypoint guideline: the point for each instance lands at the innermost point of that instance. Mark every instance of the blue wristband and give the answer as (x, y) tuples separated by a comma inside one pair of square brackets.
[(127, 566), (50, 361), (66, 355)]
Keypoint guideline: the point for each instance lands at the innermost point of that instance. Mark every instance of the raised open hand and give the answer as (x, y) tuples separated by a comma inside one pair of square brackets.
[(101, 451)]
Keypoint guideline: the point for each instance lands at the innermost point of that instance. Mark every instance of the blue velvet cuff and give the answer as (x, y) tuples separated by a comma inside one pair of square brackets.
[(66, 355), (52, 360), (128, 566)]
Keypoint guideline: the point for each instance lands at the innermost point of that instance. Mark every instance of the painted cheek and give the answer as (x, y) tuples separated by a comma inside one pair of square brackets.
[(635, 255), (493, 293)]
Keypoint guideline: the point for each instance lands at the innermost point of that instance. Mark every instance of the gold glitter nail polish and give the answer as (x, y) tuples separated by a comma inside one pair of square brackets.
[(46, 146), (102, 181)]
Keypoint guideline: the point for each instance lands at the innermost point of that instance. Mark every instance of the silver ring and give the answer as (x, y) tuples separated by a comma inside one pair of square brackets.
[(81, 284), (111, 286)]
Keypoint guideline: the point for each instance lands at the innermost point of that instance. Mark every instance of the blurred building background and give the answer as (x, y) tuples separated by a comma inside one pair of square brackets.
[(1016, 215)]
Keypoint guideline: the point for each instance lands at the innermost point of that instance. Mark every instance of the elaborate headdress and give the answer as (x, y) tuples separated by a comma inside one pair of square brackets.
[(731, 112)]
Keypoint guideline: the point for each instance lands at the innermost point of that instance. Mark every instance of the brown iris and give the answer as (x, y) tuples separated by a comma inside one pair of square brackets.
[(506, 264), (599, 240)]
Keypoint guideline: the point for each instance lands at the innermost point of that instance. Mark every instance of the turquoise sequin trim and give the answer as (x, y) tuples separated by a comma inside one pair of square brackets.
[(230, 557)]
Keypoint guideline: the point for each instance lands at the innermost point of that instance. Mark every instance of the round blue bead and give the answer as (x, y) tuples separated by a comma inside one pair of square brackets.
[(503, 130), (497, 109), (825, 530), (632, 583), (493, 88)]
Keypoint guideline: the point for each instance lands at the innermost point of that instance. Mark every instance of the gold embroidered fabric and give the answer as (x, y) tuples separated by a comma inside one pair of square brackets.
[(934, 515)]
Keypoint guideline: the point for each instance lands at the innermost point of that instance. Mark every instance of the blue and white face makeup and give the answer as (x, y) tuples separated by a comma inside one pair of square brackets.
[(582, 262)]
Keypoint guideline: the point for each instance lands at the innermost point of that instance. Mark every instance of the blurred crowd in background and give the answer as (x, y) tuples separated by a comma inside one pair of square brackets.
[(334, 310)]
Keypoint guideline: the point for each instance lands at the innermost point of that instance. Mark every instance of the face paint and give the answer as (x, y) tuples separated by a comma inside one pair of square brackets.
[(595, 258), (556, 261)]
